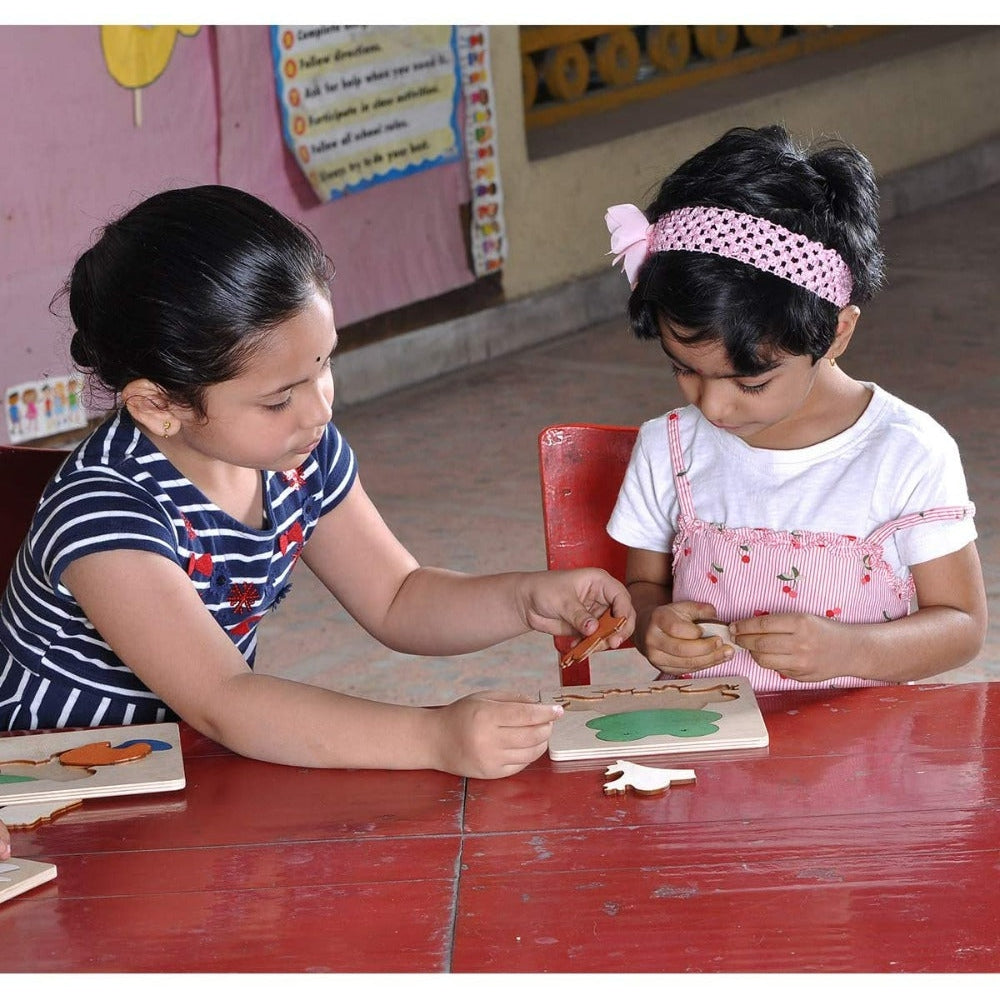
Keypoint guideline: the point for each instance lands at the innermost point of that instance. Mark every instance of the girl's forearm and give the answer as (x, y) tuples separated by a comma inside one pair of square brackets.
[(442, 613), (287, 722), (930, 641), (646, 598), (439, 612)]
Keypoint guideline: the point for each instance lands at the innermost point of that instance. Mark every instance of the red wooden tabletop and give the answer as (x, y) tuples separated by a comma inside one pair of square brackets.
[(866, 838)]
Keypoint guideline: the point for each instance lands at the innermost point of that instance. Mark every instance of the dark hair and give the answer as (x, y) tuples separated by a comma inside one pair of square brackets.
[(827, 193), (180, 289)]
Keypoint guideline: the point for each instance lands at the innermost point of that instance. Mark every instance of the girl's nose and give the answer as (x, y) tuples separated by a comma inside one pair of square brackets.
[(713, 399), (319, 409)]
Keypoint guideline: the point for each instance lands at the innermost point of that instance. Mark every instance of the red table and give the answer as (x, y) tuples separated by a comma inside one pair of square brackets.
[(866, 838)]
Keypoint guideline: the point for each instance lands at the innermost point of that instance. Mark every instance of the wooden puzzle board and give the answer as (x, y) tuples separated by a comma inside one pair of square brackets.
[(662, 717), (31, 771), (18, 875)]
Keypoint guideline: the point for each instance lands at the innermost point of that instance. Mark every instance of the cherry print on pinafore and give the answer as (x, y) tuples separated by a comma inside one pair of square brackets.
[(748, 572)]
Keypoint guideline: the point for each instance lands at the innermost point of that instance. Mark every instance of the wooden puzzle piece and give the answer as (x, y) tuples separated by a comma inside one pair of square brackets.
[(75, 763), (18, 875), (643, 780), (31, 814), (721, 629), (57, 766), (606, 626), (13, 772), (663, 717), (101, 754)]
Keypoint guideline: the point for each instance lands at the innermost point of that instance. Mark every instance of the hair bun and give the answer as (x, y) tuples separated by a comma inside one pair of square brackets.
[(79, 351)]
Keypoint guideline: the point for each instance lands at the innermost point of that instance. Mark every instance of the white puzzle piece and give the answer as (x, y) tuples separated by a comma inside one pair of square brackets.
[(643, 780)]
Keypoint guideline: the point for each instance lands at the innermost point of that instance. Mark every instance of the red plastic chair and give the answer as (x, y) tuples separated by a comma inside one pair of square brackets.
[(582, 467), (24, 473)]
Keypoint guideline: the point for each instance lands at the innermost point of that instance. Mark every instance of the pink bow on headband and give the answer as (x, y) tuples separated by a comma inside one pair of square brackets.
[(629, 231)]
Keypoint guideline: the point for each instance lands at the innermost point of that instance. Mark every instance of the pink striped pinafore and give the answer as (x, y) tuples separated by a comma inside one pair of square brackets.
[(745, 572)]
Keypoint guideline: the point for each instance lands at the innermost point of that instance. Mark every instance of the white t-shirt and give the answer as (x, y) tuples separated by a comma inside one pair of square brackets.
[(894, 460)]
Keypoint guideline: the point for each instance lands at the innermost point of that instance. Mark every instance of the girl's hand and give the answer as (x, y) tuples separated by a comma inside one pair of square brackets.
[(4, 843), (798, 646), (492, 734), (564, 602), (671, 640)]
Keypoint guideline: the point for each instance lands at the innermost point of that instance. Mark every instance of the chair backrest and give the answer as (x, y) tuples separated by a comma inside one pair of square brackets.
[(582, 467), (24, 473)]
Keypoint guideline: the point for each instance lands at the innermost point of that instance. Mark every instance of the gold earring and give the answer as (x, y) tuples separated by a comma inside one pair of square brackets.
[(166, 428), (833, 362)]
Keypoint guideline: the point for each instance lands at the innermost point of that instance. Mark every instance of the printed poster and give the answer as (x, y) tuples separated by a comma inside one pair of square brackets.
[(363, 104), (48, 406)]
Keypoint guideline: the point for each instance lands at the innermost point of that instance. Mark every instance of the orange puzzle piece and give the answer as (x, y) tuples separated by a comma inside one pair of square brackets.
[(606, 626), (100, 754)]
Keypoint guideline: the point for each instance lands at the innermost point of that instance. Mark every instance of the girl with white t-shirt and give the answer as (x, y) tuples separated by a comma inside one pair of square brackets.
[(825, 521)]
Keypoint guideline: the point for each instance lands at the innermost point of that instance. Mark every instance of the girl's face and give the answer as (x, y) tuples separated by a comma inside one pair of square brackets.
[(274, 413), (769, 410)]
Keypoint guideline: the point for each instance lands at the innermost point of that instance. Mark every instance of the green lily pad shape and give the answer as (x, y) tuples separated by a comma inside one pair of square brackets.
[(627, 727)]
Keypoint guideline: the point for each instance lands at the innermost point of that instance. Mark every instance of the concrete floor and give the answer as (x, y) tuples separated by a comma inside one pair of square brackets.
[(452, 462)]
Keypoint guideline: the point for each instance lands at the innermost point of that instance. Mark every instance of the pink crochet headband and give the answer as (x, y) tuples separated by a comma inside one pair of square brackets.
[(722, 231)]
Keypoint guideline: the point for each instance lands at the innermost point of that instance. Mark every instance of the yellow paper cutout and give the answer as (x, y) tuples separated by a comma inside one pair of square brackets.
[(136, 55)]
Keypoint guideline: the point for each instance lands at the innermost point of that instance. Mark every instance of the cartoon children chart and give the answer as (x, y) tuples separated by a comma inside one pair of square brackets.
[(73, 406), (59, 403), (42, 408), (31, 411), (14, 414)]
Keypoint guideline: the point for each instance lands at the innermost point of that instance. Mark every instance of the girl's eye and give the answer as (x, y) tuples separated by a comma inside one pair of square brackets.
[(677, 370), (276, 407), (751, 389)]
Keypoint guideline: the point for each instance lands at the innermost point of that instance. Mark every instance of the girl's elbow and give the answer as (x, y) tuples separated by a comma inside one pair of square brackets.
[(972, 638)]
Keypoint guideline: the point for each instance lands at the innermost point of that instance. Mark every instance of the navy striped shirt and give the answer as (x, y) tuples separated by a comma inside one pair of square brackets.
[(117, 491)]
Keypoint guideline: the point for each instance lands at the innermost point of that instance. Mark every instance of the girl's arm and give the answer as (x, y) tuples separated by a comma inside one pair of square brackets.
[(430, 611), (665, 632), (946, 631), (4, 842), (146, 609)]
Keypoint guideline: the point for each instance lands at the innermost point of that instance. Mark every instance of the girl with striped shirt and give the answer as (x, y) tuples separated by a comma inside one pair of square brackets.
[(825, 521), (170, 532)]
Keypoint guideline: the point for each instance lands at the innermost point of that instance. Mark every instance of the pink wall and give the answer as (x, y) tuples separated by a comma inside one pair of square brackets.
[(73, 157)]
